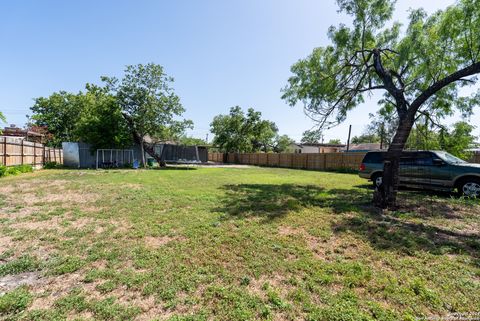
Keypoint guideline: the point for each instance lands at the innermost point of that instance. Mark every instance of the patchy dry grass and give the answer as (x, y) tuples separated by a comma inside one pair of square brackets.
[(230, 244)]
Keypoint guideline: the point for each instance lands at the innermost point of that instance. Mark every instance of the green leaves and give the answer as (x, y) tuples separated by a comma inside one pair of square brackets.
[(238, 132), (419, 61), (146, 96)]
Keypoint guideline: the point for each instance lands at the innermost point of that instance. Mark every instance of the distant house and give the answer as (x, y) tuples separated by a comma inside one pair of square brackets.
[(28, 135), (362, 148), (299, 148)]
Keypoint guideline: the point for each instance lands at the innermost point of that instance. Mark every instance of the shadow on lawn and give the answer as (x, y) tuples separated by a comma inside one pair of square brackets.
[(412, 229), (272, 201)]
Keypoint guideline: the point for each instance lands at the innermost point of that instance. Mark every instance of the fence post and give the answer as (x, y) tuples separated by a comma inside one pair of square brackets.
[(5, 151), (21, 151)]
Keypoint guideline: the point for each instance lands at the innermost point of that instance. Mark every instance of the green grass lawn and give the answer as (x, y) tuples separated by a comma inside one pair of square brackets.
[(230, 244)]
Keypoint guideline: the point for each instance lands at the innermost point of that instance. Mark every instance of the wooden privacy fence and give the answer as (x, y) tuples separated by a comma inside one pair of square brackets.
[(324, 161), (14, 151)]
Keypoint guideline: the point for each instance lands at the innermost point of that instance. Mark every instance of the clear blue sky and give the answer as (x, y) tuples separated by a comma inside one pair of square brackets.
[(221, 53)]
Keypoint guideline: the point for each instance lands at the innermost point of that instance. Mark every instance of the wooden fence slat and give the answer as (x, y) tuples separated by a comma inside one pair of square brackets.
[(26, 153), (314, 161)]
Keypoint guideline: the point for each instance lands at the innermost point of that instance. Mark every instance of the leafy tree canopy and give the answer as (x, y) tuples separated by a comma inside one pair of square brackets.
[(148, 101), (365, 138), (91, 117), (59, 114), (240, 132), (282, 144), (100, 121), (190, 141), (419, 69), (335, 141), (311, 136)]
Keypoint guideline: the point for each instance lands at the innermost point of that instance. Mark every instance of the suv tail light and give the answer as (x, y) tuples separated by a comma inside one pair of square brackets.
[(362, 167)]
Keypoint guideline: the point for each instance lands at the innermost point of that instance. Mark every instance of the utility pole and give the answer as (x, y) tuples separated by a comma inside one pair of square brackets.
[(348, 140), (206, 139)]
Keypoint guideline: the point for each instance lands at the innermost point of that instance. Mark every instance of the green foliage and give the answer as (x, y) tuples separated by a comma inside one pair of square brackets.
[(365, 138), (146, 97), (15, 170), (313, 136), (335, 141), (58, 113), (240, 132), (15, 301), (415, 67), (92, 117), (22, 264), (189, 141), (282, 144), (455, 140), (100, 122), (97, 116), (51, 165), (2, 119), (65, 265)]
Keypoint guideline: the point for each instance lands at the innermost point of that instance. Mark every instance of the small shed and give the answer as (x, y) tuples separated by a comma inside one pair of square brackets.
[(82, 155)]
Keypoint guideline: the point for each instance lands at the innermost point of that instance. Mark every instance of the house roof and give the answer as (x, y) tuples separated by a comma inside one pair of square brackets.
[(320, 145), (364, 146), (19, 132)]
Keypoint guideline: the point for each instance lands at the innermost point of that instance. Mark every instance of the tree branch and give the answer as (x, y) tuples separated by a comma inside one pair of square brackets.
[(440, 84), (387, 80)]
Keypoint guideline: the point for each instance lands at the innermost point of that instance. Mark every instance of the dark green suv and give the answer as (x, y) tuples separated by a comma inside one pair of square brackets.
[(434, 170)]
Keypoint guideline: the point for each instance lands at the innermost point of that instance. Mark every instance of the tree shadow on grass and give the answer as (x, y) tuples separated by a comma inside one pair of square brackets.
[(387, 232), (384, 230), (271, 201)]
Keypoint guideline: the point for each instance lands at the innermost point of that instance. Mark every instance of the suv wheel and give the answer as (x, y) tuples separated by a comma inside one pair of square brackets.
[(377, 180), (470, 188)]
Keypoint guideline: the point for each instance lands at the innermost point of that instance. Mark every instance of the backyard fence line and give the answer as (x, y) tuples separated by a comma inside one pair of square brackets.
[(313, 161), (15, 151)]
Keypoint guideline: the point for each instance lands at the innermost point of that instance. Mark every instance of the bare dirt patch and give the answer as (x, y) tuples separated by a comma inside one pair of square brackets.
[(66, 196), (10, 282), (323, 248), (6, 243), (257, 286), (158, 241)]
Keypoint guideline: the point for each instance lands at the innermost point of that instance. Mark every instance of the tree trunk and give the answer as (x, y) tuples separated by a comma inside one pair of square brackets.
[(142, 150), (144, 147), (385, 196)]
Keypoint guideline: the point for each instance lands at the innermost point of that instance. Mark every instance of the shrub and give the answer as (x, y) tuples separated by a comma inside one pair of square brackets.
[(14, 170), (3, 170), (50, 165)]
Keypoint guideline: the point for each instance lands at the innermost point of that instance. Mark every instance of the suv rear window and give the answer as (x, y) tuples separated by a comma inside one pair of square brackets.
[(407, 158), (374, 157)]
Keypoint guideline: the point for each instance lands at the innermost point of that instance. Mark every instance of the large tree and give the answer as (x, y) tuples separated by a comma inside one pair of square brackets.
[(243, 133), (92, 117), (418, 69), (100, 122), (59, 114), (149, 105)]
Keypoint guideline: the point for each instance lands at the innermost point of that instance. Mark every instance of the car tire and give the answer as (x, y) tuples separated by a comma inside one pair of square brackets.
[(377, 180), (469, 187)]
